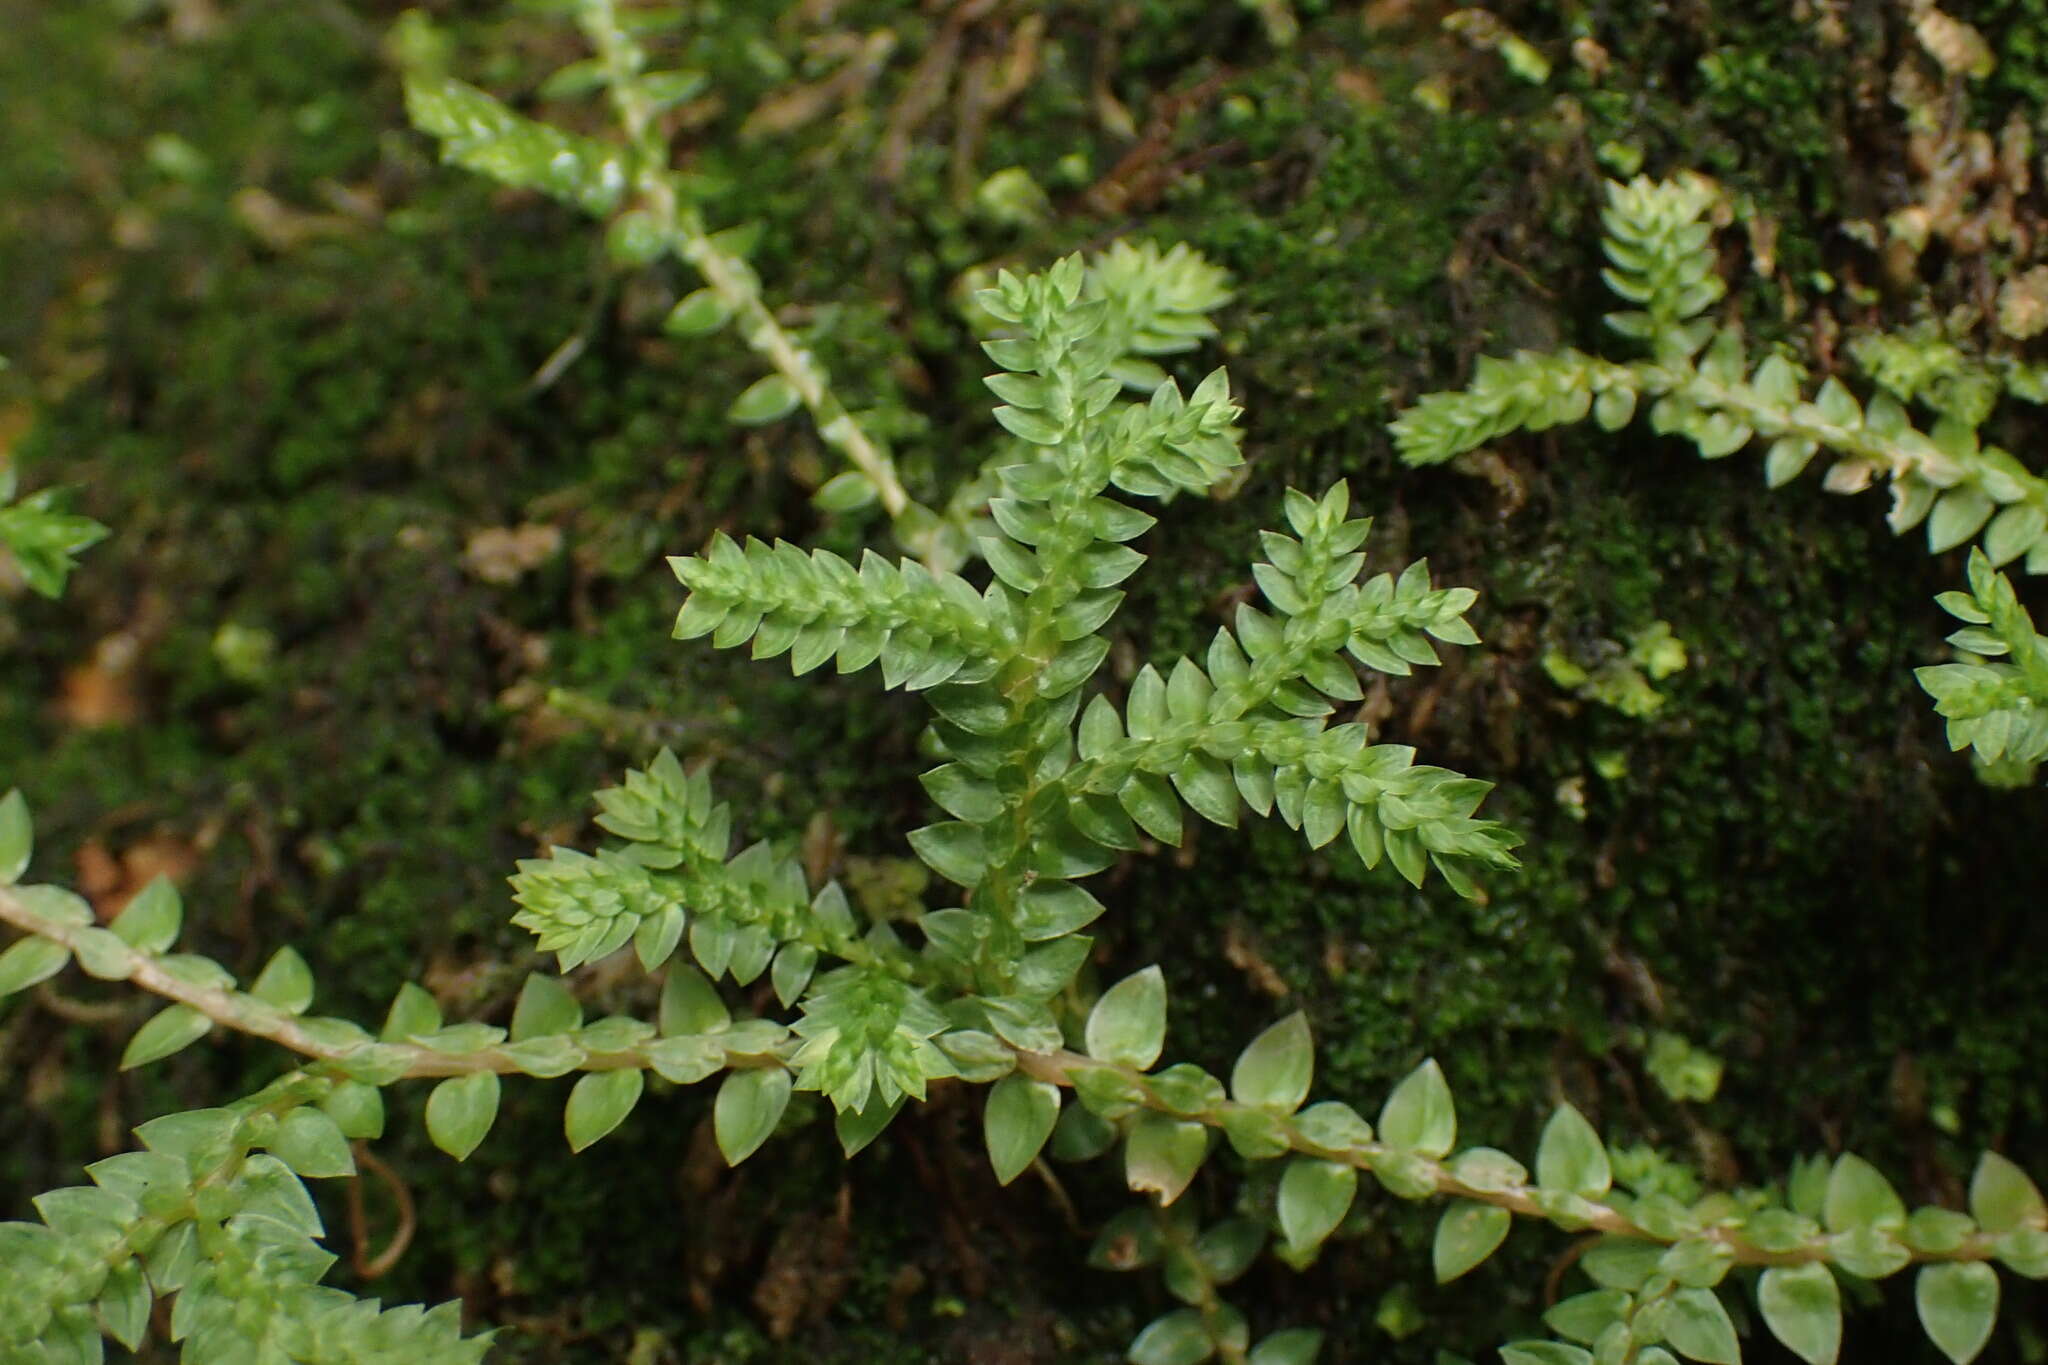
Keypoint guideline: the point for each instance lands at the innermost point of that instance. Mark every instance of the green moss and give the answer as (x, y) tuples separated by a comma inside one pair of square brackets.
[(300, 441)]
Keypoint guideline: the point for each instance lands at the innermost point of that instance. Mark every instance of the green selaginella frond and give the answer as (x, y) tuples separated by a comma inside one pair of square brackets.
[(672, 883), (213, 1216), (1661, 259), (1031, 811), (1701, 382), (1998, 709), (1529, 391), (924, 627), (1250, 727)]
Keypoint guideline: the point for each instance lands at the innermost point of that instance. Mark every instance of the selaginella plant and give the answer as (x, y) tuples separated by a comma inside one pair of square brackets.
[(1159, 301), (1046, 780), (1700, 381)]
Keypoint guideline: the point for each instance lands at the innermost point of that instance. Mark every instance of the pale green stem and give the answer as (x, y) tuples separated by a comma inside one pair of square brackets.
[(1057, 1067), (731, 278)]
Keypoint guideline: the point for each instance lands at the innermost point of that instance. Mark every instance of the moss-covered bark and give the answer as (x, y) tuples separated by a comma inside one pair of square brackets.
[(288, 360)]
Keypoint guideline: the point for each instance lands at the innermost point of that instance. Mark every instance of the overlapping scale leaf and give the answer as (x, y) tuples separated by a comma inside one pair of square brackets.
[(1659, 250), (582, 907), (925, 627), (1528, 391), (868, 1034), (674, 876)]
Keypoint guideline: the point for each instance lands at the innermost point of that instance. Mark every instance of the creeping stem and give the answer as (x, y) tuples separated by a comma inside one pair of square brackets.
[(245, 1014), (731, 278)]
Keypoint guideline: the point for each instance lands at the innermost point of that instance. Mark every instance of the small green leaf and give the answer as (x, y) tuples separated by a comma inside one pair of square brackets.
[(1130, 1240), (285, 981), (1583, 1317), (17, 837), (1295, 1346), (170, 1029), (149, 923), (768, 399), (1571, 1156), (1176, 1339), (1859, 1197), (1128, 1024), (1314, 1197), (1227, 1250), (1957, 516), (55, 905), (201, 1138), (1958, 1303), (577, 78), (599, 1103), (1148, 799), (1871, 1253), (1544, 1353), (29, 961), (1162, 1154), (357, 1109), (792, 971), (1081, 1135), (1938, 1231), (2003, 1197), (635, 238), (690, 1003), (1466, 1235), (856, 1128), (1802, 1305), (697, 314), (461, 1110), (1614, 407), (1054, 909), (311, 1143), (102, 953), (2024, 1251), (1788, 456), (656, 938), (1275, 1071), (1697, 1325), (685, 1060), (1806, 1186), (2014, 532), (750, 1104), (666, 89), (1622, 1262), (962, 793), (124, 1304), (545, 1007), (412, 1012), (1419, 1115), (1019, 1118), (848, 491), (954, 850)]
